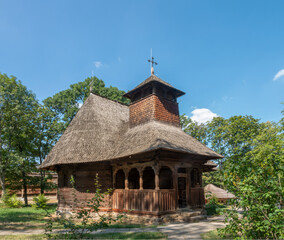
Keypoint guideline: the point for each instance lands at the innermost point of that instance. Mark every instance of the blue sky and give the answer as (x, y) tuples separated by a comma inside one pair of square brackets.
[(224, 54)]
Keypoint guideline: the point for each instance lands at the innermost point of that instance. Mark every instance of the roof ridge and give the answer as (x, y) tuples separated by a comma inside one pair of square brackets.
[(125, 104)]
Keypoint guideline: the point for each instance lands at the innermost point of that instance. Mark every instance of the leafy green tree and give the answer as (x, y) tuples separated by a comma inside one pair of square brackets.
[(18, 113), (48, 129), (67, 102), (257, 182), (198, 131)]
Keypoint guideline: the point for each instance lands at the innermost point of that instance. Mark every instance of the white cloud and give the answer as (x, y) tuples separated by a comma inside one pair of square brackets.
[(79, 104), (202, 115), (279, 75), (98, 64)]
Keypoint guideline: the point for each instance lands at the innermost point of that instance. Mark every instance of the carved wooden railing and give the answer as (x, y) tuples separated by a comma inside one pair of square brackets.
[(154, 201)]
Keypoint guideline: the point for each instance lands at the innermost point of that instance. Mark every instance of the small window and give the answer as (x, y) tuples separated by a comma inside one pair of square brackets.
[(137, 96), (195, 180), (147, 91), (160, 92)]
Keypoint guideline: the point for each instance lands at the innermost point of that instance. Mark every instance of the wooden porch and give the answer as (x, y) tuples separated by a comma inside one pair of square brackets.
[(153, 202)]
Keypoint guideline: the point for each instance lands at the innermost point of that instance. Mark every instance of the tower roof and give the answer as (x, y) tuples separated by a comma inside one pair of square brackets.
[(154, 79)]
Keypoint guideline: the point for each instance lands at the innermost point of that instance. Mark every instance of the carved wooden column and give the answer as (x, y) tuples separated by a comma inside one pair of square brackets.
[(126, 171), (157, 188), (157, 180), (189, 186), (175, 184), (113, 178), (140, 170)]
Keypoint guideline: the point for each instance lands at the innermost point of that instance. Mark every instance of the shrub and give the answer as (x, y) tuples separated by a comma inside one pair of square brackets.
[(212, 199), (12, 201), (213, 207), (40, 201)]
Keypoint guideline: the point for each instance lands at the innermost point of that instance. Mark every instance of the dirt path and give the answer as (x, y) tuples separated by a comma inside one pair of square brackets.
[(174, 231)]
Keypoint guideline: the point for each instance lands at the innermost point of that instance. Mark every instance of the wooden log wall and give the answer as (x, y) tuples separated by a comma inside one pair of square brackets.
[(84, 176)]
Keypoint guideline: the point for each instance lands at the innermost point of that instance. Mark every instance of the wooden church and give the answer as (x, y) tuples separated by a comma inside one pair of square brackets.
[(138, 150)]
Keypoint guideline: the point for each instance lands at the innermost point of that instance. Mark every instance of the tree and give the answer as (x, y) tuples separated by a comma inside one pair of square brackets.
[(18, 113), (257, 182), (48, 129), (198, 131), (67, 102)]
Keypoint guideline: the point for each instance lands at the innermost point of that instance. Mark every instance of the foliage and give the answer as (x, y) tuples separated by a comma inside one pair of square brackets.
[(257, 183), (18, 110), (12, 201), (198, 131), (214, 177), (81, 221), (213, 206), (213, 235), (67, 102), (252, 169), (40, 201)]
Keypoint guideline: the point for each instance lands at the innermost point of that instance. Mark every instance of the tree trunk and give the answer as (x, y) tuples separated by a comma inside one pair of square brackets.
[(2, 182), (42, 182), (2, 171), (25, 187)]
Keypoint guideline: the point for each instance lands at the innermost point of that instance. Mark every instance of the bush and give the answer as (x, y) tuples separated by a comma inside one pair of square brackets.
[(40, 201), (12, 201), (212, 199), (213, 207)]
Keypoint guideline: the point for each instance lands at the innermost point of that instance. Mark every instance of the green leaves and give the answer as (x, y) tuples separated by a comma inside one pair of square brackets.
[(252, 169), (67, 102), (258, 186)]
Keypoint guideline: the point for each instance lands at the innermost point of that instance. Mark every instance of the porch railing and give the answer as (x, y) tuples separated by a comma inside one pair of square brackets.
[(145, 200)]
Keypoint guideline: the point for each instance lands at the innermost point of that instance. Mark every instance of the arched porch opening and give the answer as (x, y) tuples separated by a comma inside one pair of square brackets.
[(166, 178), (133, 179), (120, 179), (148, 178)]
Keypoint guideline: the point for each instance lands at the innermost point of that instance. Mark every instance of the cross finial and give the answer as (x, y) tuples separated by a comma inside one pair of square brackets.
[(152, 64)]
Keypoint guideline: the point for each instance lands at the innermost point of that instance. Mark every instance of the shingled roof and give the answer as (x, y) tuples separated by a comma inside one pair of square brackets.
[(100, 131), (154, 78)]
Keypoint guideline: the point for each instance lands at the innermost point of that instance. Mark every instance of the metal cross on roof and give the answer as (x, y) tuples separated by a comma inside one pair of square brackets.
[(152, 65)]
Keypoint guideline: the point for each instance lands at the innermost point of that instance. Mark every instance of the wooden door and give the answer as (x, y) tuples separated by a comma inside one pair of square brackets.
[(182, 201)]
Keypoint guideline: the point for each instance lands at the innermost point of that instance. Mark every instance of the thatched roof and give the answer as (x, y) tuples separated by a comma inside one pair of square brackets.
[(100, 131), (218, 192), (154, 78), (155, 135), (209, 166), (91, 135)]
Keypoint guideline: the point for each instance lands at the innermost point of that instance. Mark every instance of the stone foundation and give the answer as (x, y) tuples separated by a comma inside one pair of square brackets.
[(180, 216)]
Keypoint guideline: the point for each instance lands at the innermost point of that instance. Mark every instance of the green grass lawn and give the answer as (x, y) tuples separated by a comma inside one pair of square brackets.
[(23, 218), (31, 218), (142, 235), (213, 235)]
